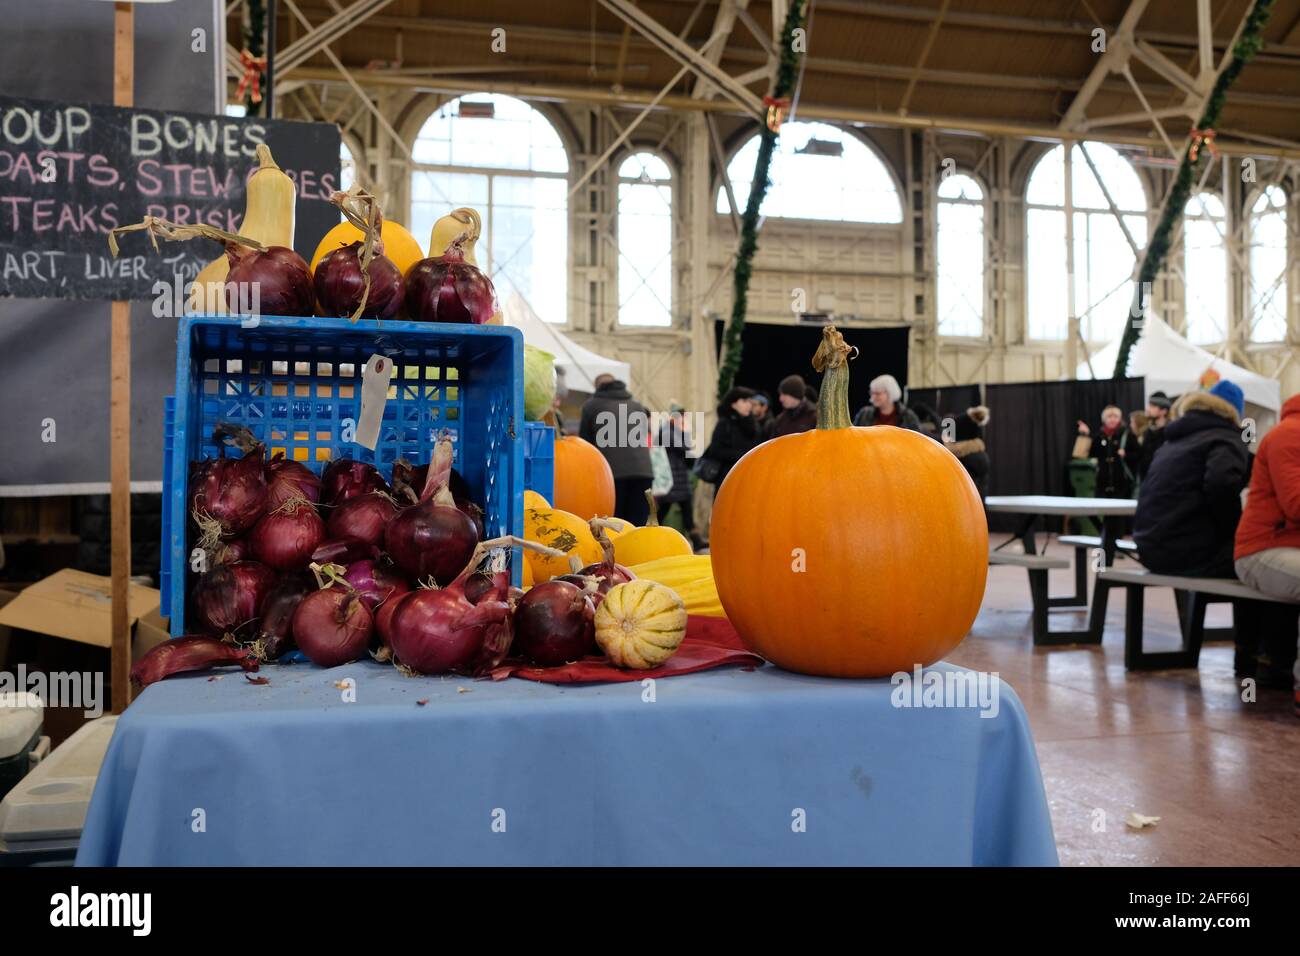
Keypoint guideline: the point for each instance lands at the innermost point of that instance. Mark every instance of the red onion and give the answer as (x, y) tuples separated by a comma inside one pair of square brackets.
[(446, 288), (188, 654), (554, 624), (275, 634), (332, 626), (228, 495), (228, 552), (286, 538), (341, 285), (228, 598), (289, 479), (344, 551), (377, 582), (384, 619), (344, 478), (433, 538), (270, 281), (607, 572), (363, 518)]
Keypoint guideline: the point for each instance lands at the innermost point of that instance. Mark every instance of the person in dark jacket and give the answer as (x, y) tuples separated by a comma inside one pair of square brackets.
[(968, 445), (619, 426), (675, 439), (1154, 434), (797, 413), (885, 407), (1110, 448), (763, 419), (734, 434), (1190, 503)]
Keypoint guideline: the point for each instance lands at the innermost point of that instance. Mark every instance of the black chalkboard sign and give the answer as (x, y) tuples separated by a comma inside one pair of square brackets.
[(69, 173)]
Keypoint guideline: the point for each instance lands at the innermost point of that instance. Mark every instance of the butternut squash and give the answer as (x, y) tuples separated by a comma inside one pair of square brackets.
[(268, 218), (449, 228)]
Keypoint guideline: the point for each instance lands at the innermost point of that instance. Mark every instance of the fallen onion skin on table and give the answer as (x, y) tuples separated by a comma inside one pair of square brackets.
[(184, 654)]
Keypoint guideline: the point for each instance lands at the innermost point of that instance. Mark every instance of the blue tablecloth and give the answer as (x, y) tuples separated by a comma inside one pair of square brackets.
[(724, 767)]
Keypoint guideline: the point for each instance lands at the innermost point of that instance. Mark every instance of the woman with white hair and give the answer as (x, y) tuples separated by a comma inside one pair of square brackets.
[(886, 407)]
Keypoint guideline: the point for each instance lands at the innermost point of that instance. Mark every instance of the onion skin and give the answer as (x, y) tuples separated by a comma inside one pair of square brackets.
[(339, 284), (376, 581), (344, 551), (365, 518), (286, 538), (345, 478), (440, 632), (280, 277), (275, 635), (554, 624), (332, 626), (188, 654), (286, 480), (228, 598), (230, 491), (446, 288)]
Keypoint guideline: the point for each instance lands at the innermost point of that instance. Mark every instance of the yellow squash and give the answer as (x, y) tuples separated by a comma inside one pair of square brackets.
[(533, 500), (562, 531), (640, 624), (651, 542), (268, 218), (451, 226)]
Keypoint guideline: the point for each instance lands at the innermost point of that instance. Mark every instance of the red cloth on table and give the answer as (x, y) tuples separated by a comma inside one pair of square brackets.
[(710, 642)]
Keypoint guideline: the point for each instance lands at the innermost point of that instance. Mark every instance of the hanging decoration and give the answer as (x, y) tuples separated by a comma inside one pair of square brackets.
[(253, 57), (777, 103), (1201, 142)]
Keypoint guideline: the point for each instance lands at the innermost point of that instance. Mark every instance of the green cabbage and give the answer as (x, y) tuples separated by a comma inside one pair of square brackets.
[(539, 382)]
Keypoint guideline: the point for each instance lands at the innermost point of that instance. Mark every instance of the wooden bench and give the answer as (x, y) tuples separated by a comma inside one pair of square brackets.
[(1201, 593), (1038, 565)]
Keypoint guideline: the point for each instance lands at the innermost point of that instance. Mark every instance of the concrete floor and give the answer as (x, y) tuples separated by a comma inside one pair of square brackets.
[(1223, 775)]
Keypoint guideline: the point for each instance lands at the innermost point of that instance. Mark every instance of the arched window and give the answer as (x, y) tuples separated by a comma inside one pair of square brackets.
[(961, 257), (645, 241), (347, 167), (818, 172), (502, 157), (1103, 258), (1267, 229), (1205, 270)]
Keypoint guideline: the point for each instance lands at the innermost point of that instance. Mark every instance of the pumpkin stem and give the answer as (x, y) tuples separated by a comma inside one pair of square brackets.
[(832, 359), (654, 509)]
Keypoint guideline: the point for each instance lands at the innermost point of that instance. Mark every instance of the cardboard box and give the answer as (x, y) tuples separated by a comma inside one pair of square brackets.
[(77, 606)]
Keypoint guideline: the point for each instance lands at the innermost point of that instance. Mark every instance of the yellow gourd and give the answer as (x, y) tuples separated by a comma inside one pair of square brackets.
[(268, 218), (533, 500), (651, 542), (562, 531), (640, 624), (675, 571), (451, 226)]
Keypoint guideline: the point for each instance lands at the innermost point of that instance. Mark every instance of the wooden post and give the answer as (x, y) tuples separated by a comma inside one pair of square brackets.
[(120, 403)]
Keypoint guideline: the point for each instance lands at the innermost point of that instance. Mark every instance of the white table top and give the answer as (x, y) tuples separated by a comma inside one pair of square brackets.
[(1060, 505)]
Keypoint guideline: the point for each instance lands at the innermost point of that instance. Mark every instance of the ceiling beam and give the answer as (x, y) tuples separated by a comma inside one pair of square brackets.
[(723, 23), (814, 111), (318, 37), (1118, 45), (925, 55), (684, 53)]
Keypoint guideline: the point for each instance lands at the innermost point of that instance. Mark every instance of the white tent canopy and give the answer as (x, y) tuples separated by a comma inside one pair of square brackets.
[(1173, 365), (580, 365)]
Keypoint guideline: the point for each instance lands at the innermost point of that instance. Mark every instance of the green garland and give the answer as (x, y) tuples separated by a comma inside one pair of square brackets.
[(732, 339), (1158, 248), (255, 42)]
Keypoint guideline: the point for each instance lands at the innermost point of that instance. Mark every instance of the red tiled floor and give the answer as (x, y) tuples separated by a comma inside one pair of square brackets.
[(1222, 774)]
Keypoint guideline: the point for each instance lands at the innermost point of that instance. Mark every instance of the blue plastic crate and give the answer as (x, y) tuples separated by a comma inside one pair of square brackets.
[(296, 382), (539, 458)]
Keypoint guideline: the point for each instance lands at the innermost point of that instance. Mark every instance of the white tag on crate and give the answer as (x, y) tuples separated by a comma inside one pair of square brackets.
[(374, 396)]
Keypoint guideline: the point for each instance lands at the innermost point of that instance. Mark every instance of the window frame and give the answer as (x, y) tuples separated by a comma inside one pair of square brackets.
[(1248, 303), (986, 205), (672, 184)]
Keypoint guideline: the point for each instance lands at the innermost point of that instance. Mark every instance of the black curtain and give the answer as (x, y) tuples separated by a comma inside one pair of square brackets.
[(951, 401), (1032, 427), (774, 351)]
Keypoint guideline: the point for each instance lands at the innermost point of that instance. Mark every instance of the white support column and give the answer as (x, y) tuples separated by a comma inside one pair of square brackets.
[(1073, 334), (703, 362)]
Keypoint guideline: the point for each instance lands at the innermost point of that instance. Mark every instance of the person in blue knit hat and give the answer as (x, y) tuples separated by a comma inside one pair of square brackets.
[(1231, 393)]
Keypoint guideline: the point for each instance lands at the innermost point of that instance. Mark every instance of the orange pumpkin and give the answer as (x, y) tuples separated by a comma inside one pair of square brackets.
[(584, 485), (848, 551)]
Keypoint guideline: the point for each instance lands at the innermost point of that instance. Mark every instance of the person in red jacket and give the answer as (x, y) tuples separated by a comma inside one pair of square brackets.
[(1267, 546)]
